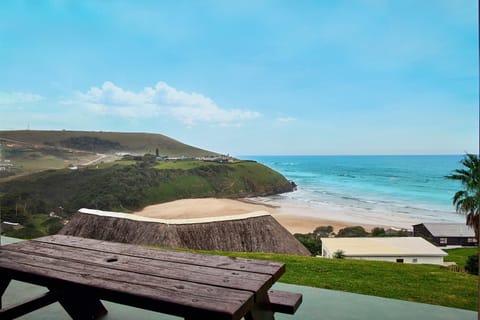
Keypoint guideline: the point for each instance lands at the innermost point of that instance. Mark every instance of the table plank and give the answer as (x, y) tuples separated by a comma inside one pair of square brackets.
[(155, 293), (275, 269), (175, 282), (254, 282)]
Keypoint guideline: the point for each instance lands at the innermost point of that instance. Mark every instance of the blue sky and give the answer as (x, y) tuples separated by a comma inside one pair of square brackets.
[(248, 77)]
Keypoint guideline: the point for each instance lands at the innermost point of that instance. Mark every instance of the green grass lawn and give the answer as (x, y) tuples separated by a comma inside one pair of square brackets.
[(419, 283), (460, 255)]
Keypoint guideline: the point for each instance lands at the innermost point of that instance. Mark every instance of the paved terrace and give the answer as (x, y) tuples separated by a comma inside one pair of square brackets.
[(317, 304)]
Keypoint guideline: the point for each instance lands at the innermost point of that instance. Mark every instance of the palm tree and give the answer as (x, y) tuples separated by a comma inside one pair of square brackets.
[(467, 201)]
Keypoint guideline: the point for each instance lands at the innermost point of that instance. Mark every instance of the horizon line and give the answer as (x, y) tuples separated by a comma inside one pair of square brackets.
[(351, 155)]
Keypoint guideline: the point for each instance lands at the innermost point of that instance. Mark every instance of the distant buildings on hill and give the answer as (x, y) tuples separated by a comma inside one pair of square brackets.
[(219, 158)]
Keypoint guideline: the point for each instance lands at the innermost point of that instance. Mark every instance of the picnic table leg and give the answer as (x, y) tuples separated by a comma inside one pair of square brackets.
[(4, 282), (20, 309), (261, 310), (80, 304)]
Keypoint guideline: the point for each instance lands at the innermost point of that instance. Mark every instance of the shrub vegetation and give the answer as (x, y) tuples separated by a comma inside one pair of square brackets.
[(472, 264)]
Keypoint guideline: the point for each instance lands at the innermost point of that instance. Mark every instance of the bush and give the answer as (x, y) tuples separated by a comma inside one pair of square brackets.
[(378, 232), (399, 233), (339, 254), (53, 225), (472, 264), (323, 231), (26, 233), (356, 231), (311, 242)]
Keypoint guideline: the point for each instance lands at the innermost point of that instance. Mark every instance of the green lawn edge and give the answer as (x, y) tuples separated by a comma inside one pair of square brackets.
[(420, 283)]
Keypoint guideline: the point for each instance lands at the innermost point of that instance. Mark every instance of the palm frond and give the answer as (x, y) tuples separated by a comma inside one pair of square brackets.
[(467, 200)]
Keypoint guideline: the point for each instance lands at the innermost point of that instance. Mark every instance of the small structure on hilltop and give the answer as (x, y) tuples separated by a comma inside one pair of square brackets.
[(393, 249), (6, 225), (446, 234), (251, 232)]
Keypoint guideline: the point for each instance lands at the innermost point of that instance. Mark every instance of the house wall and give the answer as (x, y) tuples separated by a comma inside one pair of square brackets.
[(326, 253), (455, 241), (406, 259)]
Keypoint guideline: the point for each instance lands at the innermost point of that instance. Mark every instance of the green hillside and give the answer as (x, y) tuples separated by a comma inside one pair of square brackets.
[(130, 185)]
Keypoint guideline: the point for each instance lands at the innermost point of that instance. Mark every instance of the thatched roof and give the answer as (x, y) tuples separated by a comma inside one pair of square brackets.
[(254, 232)]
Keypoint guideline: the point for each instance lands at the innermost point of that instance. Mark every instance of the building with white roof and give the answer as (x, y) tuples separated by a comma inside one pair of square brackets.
[(393, 249)]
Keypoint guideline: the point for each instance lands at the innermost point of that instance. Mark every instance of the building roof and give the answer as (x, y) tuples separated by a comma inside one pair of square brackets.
[(252, 232), (449, 229), (381, 247), (135, 217)]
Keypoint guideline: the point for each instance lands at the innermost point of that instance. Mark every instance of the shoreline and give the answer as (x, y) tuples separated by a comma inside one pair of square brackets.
[(295, 219)]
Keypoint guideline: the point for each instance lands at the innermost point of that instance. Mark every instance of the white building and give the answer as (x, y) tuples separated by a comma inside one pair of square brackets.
[(394, 249)]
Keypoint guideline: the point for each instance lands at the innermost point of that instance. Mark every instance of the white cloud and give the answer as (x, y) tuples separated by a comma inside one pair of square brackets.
[(286, 119), (16, 97), (162, 99)]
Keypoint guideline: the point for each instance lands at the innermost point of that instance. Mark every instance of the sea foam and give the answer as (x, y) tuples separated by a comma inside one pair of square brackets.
[(388, 190)]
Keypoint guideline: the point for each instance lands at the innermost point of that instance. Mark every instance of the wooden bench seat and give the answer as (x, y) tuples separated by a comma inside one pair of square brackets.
[(284, 302)]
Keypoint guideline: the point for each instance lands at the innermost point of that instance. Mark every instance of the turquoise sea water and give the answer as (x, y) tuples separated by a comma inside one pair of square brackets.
[(408, 189)]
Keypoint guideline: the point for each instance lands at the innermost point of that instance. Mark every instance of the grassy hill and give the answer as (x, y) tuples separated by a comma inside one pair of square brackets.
[(105, 141), (29, 151)]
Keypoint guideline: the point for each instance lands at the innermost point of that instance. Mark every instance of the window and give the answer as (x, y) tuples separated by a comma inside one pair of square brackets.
[(400, 260), (443, 240), (471, 240), (414, 260)]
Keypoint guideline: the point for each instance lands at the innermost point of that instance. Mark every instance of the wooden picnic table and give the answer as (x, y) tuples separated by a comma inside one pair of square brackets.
[(80, 272)]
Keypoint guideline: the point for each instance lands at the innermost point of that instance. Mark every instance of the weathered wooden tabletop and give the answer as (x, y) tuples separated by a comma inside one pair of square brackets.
[(80, 272)]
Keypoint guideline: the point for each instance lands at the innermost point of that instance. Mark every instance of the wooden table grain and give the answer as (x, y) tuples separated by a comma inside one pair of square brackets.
[(80, 272)]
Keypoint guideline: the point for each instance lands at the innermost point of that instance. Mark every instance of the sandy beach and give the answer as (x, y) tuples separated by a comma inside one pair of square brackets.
[(293, 219)]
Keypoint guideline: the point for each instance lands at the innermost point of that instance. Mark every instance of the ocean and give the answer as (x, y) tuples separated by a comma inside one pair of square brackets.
[(393, 191)]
